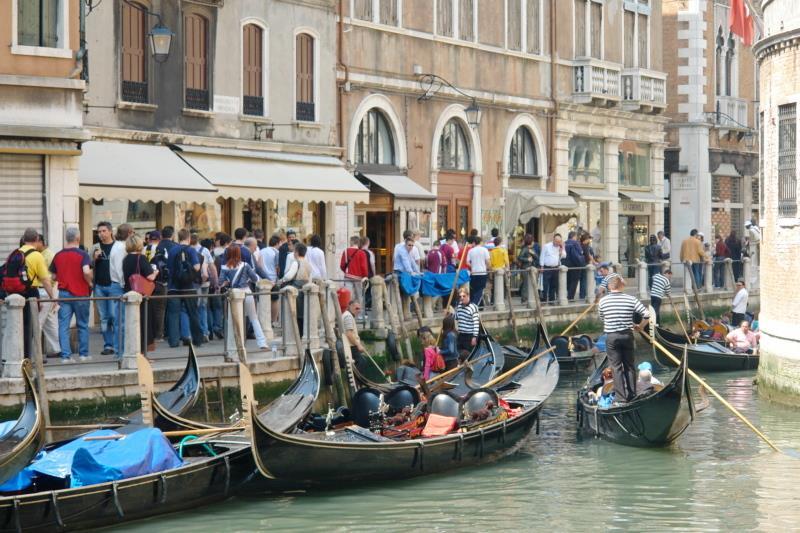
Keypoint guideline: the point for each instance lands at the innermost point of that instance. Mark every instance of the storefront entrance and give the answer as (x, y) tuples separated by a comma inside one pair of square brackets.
[(454, 203), (380, 228), (633, 235)]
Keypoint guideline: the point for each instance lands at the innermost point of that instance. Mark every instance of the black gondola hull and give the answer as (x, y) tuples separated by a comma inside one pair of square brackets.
[(703, 357), (22, 442)]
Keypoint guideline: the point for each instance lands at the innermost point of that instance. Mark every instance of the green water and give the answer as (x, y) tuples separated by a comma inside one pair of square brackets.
[(718, 476)]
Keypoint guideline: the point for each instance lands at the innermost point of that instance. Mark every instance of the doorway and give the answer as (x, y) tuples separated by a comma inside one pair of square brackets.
[(454, 203), (380, 228)]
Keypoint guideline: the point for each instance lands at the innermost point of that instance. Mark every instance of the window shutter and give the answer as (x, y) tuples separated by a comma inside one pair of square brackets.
[(514, 25), (252, 48), (50, 13), (28, 23), (630, 22), (597, 29), (305, 68), (133, 45), (363, 9), (644, 45), (466, 18), (532, 22), (388, 13), (444, 18), (580, 28), (196, 52)]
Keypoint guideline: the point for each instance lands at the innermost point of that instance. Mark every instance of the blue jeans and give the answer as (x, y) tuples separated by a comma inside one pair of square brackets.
[(202, 310), (216, 324), (697, 270), (68, 308), (477, 283), (175, 306), (110, 315)]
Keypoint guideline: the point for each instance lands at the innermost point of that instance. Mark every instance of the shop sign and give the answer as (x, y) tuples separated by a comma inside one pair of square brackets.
[(633, 208), (683, 183), (226, 104)]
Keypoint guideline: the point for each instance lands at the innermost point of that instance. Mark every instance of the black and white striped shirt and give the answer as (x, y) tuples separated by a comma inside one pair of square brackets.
[(468, 319), (609, 277), (661, 286), (617, 309)]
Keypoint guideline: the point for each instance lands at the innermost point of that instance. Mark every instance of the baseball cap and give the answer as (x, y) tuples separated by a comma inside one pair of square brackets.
[(155, 234), (645, 366), (290, 231), (605, 264)]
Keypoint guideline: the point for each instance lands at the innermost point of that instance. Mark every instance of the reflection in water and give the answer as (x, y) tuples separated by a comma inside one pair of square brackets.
[(718, 476)]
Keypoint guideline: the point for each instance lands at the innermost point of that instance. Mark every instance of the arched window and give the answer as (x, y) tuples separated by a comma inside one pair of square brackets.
[(253, 69), (718, 63), (374, 143), (195, 65), (522, 154), (304, 82), (453, 147), (730, 56), (134, 53)]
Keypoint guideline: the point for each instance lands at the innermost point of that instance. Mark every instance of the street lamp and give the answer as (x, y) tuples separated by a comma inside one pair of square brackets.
[(160, 42), (432, 84)]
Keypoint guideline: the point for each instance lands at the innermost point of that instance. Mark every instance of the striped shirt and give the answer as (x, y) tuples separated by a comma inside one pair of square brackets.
[(661, 286), (609, 277), (468, 319), (617, 309)]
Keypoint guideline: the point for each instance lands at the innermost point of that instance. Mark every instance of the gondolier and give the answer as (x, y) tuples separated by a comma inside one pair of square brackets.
[(617, 311), (605, 271), (468, 320), (661, 287)]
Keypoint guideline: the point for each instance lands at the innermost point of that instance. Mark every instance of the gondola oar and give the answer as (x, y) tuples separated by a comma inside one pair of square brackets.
[(708, 387), (517, 368), (452, 290), (580, 316), (680, 321), (696, 295), (454, 371)]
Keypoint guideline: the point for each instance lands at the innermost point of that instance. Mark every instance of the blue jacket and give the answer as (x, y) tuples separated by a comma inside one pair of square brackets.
[(575, 256)]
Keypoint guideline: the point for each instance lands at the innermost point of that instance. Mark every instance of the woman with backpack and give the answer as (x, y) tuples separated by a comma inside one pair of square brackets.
[(434, 362), (236, 274)]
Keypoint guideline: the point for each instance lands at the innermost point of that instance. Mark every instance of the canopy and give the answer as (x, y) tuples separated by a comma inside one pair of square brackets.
[(408, 194), (524, 204), (430, 284), (642, 196), (146, 172), (31, 146), (593, 195), (253, 175)]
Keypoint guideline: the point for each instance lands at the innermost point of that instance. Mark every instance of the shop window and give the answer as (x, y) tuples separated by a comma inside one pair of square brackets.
[(375, 142), (134, 53), (40, 23), (253, 70), (196, 61), (787, 160), (453, 147), (586, 160), (522, 154), (304, 83), (634, 164)]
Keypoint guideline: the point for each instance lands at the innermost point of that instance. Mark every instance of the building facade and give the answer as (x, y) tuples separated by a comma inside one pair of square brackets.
[(569, 133), (778, 55), (40, 119), (237, 126), (712, 158)]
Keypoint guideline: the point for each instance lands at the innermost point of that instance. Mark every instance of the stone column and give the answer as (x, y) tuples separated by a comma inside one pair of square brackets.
[(747, 266), (611, 208), (730, 283), (532, 281), (477, 196), (499, 290), (133, 324), (234, 327), (288, 325), (642, 268), (312, 311), (12, 349), (378, 290), (264, 287), (687, 277), (708, 277), (562, 285), (591, 283)]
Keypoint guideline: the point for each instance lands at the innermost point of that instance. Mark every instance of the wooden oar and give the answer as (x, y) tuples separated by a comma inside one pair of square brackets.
[(210, 431), (452, 290), (517, 368), (680, 321), (454, 371), (510, 304), (84, 427), (696, 296), (580, 316), (708, 387)]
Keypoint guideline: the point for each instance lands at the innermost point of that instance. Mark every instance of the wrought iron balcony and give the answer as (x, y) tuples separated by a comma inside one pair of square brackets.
[(305, 111), (254, 105), (197, 99), (732, 112), (596, 81), (644, 89), (134, 91)]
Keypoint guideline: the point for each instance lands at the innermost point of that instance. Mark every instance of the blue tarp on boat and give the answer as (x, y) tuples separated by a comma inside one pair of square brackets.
[(5, 427), (86, 462), (430, 284)]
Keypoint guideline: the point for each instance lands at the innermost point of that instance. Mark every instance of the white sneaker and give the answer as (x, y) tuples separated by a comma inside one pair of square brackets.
[(66, 360), (85, 358)]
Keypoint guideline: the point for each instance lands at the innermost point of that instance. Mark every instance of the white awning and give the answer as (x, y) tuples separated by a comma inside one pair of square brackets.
[(253, 175), (642, 196), (524, 204), (38, 147), (408, 194), (150, 173), (593, 195)]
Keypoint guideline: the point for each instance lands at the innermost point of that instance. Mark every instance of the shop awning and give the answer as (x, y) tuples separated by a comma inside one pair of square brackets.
[(408, 194), (150, 173), (641, 196), (592, 195), (37, 147), (252, 175), (523, 204)]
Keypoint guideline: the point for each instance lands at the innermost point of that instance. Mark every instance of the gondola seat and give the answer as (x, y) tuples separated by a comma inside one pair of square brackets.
[(479, 399), (365, 402), (438, 425), (445, 404), (401, 397)]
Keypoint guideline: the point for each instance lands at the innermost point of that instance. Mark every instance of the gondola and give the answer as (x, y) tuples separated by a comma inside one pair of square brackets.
[(203, 479), (355, 454), (708, 357), (650, 420), (26, 437), (568, 361)]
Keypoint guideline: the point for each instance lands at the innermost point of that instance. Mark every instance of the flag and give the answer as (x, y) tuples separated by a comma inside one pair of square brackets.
[(741, 21)]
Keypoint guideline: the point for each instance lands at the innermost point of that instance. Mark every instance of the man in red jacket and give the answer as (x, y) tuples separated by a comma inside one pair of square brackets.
[(355, 267)]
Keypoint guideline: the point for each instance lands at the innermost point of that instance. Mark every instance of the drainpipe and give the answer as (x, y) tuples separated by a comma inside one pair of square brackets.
[(551, 120), (81, 64), (342, 86)]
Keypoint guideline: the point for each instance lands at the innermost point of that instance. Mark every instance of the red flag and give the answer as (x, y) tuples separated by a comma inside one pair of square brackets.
[(741, 21)]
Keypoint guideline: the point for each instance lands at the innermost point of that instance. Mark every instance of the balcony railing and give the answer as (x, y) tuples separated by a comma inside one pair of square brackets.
[(596, 81), (732, 112), (254, 105), (197, 99), (645, 89), (305, 111), (134, 91)]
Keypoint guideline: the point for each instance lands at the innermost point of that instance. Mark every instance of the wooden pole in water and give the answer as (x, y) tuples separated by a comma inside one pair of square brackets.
[(38, 361), (330, 337), (680, 321), (708, 387), (696, 297), (510, 304)]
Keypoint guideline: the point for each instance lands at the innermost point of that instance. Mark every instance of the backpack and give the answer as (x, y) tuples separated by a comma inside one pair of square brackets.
[(438, 364), (160, 262), (184, 276), (14, 275)]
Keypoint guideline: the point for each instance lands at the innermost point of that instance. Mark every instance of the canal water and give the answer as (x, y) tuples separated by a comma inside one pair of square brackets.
[(718, 476)]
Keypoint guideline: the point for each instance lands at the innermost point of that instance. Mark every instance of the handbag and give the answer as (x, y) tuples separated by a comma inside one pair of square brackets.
[(139, 283), (224, 289)]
